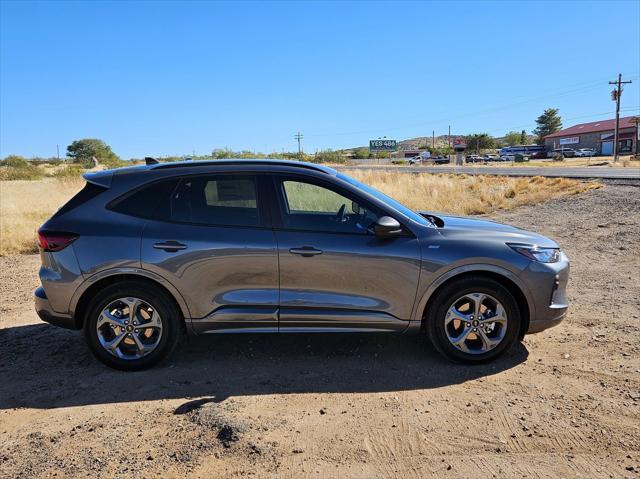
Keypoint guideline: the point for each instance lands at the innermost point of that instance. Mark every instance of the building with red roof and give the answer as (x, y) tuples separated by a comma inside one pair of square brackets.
[(598, 135)]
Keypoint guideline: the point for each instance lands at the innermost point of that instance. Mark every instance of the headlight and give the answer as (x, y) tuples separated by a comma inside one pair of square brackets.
[(535, 253)]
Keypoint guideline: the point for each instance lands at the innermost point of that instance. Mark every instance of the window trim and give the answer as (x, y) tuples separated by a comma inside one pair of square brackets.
[(279, 207)]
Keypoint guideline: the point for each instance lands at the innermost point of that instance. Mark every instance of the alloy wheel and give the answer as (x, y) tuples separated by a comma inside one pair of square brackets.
[(129, 328), (475, 323)]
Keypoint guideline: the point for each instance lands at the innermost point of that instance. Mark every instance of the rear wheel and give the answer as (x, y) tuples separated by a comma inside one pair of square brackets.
[(131, 325), (473, 320)]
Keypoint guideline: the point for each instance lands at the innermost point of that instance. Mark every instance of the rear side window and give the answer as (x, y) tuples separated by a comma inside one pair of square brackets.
[(87, 193), (221, 200), (151, 201)]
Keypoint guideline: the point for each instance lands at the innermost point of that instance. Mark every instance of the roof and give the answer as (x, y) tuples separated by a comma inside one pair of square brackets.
[(244, 162), (594, 126), (103, 178)]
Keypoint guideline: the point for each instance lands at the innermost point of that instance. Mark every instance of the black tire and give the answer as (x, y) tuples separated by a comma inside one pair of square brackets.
[(154, 296), (434, 320)]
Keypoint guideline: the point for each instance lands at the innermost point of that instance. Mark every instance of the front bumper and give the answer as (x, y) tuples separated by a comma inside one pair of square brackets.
[(47, 314), (548, 286)]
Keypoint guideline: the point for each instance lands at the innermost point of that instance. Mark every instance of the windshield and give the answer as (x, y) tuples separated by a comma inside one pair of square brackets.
[(388, 200)]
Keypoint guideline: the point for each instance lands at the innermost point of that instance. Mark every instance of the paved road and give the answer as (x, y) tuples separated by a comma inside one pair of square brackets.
[(551, 172)]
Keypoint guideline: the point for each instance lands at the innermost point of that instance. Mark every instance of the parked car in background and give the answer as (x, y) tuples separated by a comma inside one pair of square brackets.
[(566, 152), (488, 158), (538, 155), (585, 152), (440, 160), (473, 159), (532, 151), (146, 253)]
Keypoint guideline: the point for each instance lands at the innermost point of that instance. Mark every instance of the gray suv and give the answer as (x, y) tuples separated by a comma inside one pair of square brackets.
[(146, 253)]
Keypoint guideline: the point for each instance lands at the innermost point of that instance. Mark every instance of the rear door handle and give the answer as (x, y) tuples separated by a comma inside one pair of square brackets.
[(305, 251), (170, 246)]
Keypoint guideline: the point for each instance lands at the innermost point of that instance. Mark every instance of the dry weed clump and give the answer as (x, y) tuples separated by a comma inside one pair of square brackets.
[(469, 194), (25, 205)]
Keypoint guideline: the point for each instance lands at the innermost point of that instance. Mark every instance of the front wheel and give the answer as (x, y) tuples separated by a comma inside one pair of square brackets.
[(131, 325), (473, 320)]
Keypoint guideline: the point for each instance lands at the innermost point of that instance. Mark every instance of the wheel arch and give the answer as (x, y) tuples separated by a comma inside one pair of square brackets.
[(91, 286), (505, 278)]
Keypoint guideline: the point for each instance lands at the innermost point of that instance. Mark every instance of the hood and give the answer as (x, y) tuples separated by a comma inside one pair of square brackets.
[(451, 226)]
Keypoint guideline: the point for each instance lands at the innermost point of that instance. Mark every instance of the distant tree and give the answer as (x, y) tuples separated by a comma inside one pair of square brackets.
[(439, 150), (361, 153), (480, 141), (84, 151), (523, 137), (549, 122), (513, 138)]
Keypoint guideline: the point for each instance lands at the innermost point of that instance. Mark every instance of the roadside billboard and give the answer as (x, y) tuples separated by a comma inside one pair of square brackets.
[(383, 145)]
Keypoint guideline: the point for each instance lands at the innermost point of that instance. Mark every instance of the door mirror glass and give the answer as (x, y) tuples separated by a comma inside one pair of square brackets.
[(387, 227)]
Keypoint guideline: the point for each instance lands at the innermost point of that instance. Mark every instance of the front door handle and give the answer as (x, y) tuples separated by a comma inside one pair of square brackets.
[(170, 246), (305, 251)]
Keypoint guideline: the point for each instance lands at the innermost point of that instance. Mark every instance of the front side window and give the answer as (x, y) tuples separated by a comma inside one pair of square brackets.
[(308, 206), (216, 200)]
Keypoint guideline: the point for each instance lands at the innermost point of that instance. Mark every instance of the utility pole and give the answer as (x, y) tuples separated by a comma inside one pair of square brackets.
[(433, 139), (615, 95), (449, 137), (58, 150), (299, 136)]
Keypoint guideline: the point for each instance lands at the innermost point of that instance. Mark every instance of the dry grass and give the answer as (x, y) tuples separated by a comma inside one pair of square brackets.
[(469, 194), (24, 205)]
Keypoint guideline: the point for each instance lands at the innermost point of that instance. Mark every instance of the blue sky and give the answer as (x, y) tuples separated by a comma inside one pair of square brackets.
[(163, 78)]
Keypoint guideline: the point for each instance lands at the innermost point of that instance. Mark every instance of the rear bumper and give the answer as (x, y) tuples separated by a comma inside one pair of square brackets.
[(47, 314)]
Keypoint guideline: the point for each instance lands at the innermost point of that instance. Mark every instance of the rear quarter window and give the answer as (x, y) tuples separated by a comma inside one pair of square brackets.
[(87, 193), (150, 201)]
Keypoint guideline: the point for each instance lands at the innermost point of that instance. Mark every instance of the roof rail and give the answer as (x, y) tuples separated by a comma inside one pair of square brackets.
[(242, 162)]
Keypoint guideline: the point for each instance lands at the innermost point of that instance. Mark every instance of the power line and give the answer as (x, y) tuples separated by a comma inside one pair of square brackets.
[(581, 117), (582, 88)]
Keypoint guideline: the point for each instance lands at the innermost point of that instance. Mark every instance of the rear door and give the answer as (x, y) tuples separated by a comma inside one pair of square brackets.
[(335, 274), (212, 239)]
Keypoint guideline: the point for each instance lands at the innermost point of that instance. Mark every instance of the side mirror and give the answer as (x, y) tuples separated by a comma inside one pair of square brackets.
[(387, 227)]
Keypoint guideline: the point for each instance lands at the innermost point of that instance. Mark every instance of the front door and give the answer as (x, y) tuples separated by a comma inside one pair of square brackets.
[(213, 242), (334, 273)]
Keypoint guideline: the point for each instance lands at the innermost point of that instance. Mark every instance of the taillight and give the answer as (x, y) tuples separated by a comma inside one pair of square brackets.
[(55, 240)]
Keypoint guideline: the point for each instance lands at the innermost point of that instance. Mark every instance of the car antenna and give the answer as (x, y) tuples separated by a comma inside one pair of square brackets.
[(150, 161)]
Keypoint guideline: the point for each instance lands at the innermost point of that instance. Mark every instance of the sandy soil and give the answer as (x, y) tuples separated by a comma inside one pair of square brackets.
[(566, 403)]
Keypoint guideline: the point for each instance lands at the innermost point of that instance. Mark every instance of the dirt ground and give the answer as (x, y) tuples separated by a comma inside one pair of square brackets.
[(566, 403)]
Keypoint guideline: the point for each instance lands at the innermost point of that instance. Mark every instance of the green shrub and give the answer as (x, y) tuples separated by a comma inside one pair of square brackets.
[(329, 156), (15, 161), (69, 172)]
